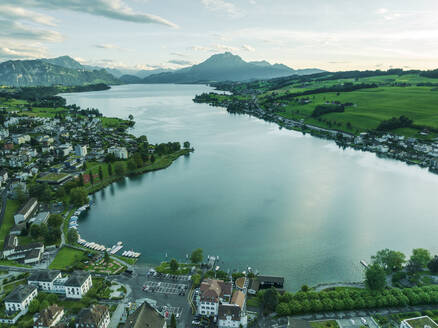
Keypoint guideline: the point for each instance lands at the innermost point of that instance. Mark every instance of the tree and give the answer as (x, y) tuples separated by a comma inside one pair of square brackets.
[(304, 288), (375, 277), (34, 306), (173, 265), (119, 169), (90, 173), (433, 265), (106, 257), (196, 256), (20, 194), (35, 231), (172, 318), (78, 196), (100, 174), (130, 117), (131, 165), (282, 309), (110, 169), (196, 279), (44, 305), (270, 299), (55, 220), (420, 257), (390, 260), (186, 144), (81, 180), (72, 236), (60, 193)]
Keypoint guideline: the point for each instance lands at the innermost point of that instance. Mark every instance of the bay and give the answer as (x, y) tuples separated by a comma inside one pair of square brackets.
[(281, 202)]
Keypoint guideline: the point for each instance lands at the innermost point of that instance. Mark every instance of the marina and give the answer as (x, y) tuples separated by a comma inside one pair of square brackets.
[(73, 224)]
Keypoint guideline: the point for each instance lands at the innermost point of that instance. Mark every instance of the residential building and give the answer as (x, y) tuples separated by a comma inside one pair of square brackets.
[(28, 254), (97, 316), (11, 242), (145, 316), (26, 211), (213, 292), (81, 150), (44, 279), (118, 152), (254, 286), (233, 315), (49, 317), (78, 284), (20, 297)]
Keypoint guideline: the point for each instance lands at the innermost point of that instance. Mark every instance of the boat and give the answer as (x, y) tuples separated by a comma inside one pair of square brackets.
[(364, 263)]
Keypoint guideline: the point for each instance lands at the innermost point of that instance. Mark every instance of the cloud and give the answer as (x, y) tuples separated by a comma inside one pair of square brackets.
[(13, 13), (16, 30), (248, 48), (214, 48), (14, 50), (222, 6), (180, 62), (178, 54), (113, 9)]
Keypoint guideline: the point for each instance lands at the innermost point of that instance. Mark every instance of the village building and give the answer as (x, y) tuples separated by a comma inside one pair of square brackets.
[(212, 293), (145, 316), (97, 316), (49, 317), (20, 298), (26, 211)]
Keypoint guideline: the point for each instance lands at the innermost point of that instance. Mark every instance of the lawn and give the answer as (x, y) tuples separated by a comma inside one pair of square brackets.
[(53, 177), (67, 257), (183, 269), (12, 206), (324, 324)]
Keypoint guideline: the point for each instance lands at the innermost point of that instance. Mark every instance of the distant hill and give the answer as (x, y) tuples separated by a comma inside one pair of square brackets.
[(56, 71), (226, 67)]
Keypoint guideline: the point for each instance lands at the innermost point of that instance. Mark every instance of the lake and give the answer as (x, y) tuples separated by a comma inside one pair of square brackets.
[(276, 200)]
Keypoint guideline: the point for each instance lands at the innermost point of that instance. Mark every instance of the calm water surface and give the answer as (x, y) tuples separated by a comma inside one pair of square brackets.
[(275, 200)]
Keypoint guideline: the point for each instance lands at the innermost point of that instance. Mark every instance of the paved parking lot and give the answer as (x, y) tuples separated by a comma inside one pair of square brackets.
[(167, 288), (167, 311)]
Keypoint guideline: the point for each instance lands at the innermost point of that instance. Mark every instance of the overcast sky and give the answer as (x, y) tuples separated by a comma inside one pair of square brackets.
[(327, 34)]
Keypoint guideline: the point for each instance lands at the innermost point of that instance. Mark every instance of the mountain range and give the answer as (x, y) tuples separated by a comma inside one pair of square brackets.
[(65, 70), (221, 67)]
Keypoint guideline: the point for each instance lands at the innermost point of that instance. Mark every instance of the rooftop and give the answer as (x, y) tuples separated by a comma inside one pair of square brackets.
[(44, 275), (77, 279), (91, 317), (421, 322), (20, 293), (145, 316), (28, 206)]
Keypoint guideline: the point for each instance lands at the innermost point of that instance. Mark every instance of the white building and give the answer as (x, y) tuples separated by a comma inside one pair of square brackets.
[(65, 150), (20, 297), (212, 293), (49, 317), (26, 211), (233, 315), (51, 281), (118, 152), (81, 150), (44, 279), (78, 284)]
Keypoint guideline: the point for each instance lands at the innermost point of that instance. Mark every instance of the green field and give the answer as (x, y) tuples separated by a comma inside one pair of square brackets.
[(12, 206), (67, 257), (372, 106), (324, 324)]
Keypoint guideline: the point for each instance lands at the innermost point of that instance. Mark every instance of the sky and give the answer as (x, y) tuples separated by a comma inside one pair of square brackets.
[(147, 34)]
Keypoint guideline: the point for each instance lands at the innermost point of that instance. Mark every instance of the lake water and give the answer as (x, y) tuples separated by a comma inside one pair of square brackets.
[(275, 200)]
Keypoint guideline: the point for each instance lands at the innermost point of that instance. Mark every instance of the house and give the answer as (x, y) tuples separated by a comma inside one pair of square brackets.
[(253, 286), (213, 292), (78, 284), (145, 316), (231, 316), (44, 279), (26, 211), (40, 218), (81, 150), (118, 152), (64, 150), (11, 241), (3, 176), (20, 297), (49, 317), (270, 281), (419, 322), (97, 316)]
